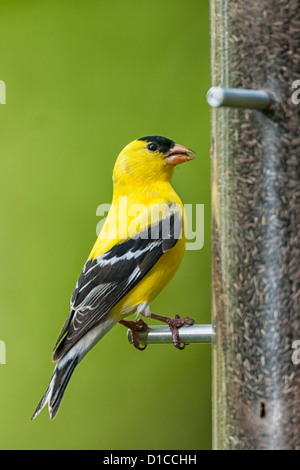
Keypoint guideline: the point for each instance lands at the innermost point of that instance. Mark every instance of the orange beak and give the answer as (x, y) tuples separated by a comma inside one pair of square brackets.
[(178, 154)]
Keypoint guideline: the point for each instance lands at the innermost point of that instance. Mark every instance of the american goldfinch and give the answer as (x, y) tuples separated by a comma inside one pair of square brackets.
[(136, 254)]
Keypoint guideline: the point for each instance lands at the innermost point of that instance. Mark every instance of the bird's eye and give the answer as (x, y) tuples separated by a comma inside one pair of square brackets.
[(152, 147)]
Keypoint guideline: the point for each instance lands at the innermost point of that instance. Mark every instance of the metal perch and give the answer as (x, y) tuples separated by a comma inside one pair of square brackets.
[(239, 98), (156, 334)]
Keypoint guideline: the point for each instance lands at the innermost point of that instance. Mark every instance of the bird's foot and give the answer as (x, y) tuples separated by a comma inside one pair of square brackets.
[(174, 324), (135, 327)]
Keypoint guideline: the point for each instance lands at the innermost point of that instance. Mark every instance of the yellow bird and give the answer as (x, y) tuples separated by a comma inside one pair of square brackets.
[(136, 254)]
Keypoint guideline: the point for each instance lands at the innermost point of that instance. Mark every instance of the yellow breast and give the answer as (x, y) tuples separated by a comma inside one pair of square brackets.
[(131, 213)]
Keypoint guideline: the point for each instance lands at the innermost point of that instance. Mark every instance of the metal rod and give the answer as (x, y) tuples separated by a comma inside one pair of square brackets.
[(156, 334), (239, 98)]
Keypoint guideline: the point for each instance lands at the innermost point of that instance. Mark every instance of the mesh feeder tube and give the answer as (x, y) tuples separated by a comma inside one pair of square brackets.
[(255, 155)]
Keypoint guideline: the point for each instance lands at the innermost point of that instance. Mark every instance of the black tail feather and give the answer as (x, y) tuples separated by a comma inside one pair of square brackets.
[(55, 391), (61, 381)]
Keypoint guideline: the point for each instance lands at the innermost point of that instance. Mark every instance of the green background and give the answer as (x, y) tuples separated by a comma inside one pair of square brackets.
[(83, 79)]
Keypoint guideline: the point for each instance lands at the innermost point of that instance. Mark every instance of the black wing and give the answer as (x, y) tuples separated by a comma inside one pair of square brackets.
[(106, 279)]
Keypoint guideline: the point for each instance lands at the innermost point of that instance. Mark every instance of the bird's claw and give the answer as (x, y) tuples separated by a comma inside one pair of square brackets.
[(135, 327), (174, 324)]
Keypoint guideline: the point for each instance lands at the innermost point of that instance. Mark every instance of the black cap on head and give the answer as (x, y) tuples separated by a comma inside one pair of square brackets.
[(162, 144)]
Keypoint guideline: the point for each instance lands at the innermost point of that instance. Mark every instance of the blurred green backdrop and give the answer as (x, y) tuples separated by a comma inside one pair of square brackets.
[(83, 79)]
